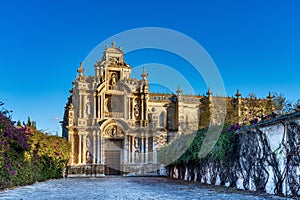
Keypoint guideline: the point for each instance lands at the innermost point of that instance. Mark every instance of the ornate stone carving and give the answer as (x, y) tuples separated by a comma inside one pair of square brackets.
[(113, 79), (136, 110), (114, 132), (88, 108), (113, 104), (71, 106), (88, 141)]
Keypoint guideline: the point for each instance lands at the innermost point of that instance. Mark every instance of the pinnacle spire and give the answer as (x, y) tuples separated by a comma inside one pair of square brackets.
[(238, 94), (179, 91), (80, 70), (144, 74), (209, 92), (270, 96)]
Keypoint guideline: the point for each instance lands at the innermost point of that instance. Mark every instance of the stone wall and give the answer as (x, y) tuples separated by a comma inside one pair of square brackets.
[(259, 162)]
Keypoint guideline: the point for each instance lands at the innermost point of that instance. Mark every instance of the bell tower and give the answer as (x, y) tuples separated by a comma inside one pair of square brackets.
[(112, 67)]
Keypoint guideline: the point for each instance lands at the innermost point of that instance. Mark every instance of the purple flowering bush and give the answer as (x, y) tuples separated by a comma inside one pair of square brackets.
[(13, 144), (28, 155)]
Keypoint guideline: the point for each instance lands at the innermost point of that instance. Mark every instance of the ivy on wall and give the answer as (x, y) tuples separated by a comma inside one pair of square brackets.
[(245, 154)]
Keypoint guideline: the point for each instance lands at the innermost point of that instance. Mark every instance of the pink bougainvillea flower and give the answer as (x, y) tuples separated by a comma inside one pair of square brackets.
[(12, 172)]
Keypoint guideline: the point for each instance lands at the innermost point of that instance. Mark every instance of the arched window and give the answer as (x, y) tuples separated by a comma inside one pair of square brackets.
[(162, 119)]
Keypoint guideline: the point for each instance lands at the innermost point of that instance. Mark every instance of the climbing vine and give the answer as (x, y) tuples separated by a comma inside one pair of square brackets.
[(245, 153)]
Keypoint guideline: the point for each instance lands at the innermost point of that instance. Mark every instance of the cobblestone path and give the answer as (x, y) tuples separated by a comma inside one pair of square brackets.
[(135, 188)]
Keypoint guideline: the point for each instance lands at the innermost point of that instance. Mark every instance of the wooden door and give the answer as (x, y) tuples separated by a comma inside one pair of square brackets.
[(112, 162), (113, 155)]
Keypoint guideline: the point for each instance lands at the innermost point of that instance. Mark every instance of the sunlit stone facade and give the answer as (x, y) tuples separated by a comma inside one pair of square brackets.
[(115, 125)]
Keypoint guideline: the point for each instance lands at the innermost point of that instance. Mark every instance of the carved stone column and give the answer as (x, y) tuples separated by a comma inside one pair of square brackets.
[(94, 106), (142, 150), (94, 148), (129, 149), (146, 144), (102, 105), (128, 108), (71, 140), (99, 106), (131, 108), (133, 149), (99, 143), (125, 151), (79, 106), (142, 109), (98, 148), (83, 106), (154, 151), (79, 148), (84, 148)]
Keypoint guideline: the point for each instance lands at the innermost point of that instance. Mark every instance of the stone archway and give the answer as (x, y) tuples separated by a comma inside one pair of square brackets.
[(113, 149)]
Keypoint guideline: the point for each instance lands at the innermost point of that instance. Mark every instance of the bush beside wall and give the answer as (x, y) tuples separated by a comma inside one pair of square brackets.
[(28, 155)]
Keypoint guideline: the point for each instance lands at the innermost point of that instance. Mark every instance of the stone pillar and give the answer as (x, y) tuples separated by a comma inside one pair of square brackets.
[(101, 150), (133, 149), (98, 149), (146, 152), (142, 108), (71, 140), (73, 148), (125, 151), (146, 110), (84, 148), (94, 148), (99, 106), (94, 106), (129, 149), (154, 151), (83, 106), (125, 111), (102, 105), (79, 106), (142, 150), (79, 148), (128, 108), (239, 114)]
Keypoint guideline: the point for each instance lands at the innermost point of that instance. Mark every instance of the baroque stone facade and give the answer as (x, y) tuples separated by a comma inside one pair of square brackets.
[(115, 125)]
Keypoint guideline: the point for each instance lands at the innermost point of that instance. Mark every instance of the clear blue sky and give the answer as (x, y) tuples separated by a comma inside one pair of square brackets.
[(255, 45)]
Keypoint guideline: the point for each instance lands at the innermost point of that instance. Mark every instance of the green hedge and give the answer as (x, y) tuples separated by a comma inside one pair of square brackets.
[(222, 151)]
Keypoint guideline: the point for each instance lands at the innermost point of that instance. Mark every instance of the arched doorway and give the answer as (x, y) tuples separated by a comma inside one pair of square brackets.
[(113, 149)]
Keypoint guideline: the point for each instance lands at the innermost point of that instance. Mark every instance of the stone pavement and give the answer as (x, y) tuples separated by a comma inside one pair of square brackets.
[(132, 188)]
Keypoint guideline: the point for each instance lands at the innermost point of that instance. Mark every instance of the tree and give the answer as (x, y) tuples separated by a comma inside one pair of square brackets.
[(282, 105), (297, 105)]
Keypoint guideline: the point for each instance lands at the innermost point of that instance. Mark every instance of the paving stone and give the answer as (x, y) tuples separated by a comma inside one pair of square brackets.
[(123, 188)]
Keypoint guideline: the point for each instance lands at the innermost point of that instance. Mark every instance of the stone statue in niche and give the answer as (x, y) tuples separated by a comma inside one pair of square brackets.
[(137, 156), (88, 141), (136, 110), (114, 132), (88, 108), (136, 143), (113, 79), (88, 157), (137, 150)]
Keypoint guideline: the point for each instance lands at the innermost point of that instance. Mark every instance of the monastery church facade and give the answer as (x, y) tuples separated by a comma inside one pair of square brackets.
[(115, 125)]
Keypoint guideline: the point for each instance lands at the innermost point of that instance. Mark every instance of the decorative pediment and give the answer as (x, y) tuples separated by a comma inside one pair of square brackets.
[(114, 131), (104, 124)]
